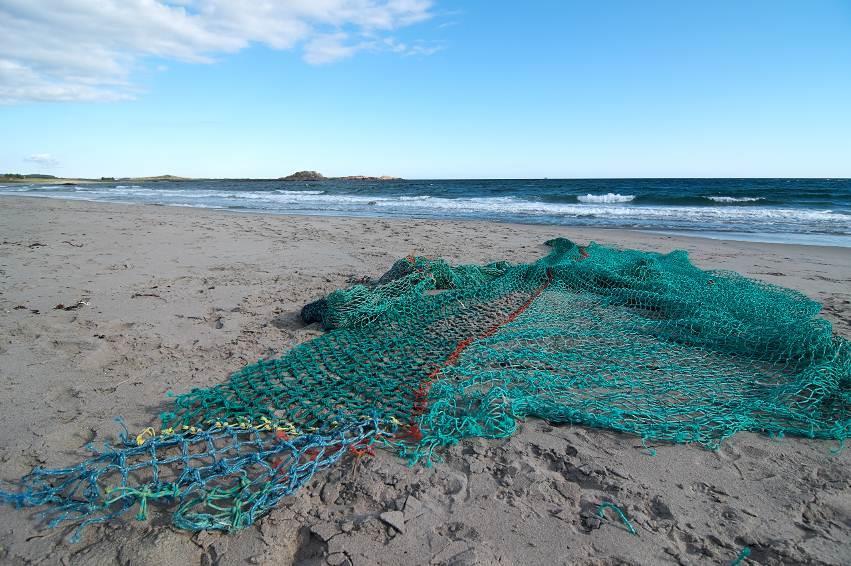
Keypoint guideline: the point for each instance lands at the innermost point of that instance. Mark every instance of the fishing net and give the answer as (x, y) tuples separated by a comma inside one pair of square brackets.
[(430, 353)]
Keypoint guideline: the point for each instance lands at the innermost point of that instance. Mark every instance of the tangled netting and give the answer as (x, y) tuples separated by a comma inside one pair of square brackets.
[(631, 341)]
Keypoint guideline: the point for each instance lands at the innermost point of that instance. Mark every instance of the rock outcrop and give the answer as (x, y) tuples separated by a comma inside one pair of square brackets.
[(305, 176), (317, 176)]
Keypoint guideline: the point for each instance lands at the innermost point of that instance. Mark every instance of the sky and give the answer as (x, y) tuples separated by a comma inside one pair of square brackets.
[(426, 89)]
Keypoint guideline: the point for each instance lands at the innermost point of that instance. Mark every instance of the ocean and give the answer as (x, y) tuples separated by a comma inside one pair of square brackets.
[(805, 211)]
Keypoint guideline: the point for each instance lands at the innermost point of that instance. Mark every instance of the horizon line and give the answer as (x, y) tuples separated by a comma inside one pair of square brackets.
[(178, 178)]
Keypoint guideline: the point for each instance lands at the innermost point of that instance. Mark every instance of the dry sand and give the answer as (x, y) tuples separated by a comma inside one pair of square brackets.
[(178, 298)]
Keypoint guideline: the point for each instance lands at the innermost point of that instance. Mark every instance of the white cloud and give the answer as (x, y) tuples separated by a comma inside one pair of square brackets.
[(64, 50), (42, 160), (416, 48), (329, 47)]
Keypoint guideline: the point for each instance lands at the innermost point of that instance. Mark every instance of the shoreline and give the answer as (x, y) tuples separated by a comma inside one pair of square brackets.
[(797, 239), (176, 298)]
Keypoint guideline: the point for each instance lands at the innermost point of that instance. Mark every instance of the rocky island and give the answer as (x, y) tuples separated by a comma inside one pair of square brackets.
[(317, 176)]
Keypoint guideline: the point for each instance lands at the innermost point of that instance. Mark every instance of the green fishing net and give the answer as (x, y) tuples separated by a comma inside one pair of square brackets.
[(638, 342)]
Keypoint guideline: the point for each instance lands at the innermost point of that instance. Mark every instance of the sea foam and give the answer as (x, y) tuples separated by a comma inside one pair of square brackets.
[(607, 198), (735, 199), (612, 209)]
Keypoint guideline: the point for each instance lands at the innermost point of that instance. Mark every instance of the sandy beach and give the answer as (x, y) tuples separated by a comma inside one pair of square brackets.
[(158, 300)]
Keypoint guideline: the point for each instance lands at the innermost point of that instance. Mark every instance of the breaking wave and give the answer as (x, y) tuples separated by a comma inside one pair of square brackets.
[(735, 199), (607, 198), (611, 209)]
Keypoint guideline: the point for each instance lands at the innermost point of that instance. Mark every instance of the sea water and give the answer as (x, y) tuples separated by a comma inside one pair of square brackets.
[(807, 211)]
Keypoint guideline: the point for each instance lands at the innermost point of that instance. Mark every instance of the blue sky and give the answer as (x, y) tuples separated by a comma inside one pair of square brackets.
[(427, 89)]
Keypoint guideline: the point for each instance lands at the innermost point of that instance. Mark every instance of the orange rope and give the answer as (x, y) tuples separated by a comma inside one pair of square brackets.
[(421, 394)]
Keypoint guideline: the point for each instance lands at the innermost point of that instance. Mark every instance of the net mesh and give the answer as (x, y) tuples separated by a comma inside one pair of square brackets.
[(638, 342)]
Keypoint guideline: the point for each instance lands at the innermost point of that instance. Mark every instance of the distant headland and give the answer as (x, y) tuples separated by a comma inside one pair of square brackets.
[(297, 176), (317, 176)]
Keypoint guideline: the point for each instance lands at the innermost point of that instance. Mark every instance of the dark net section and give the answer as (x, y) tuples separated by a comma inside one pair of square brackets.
[(372, 368)]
